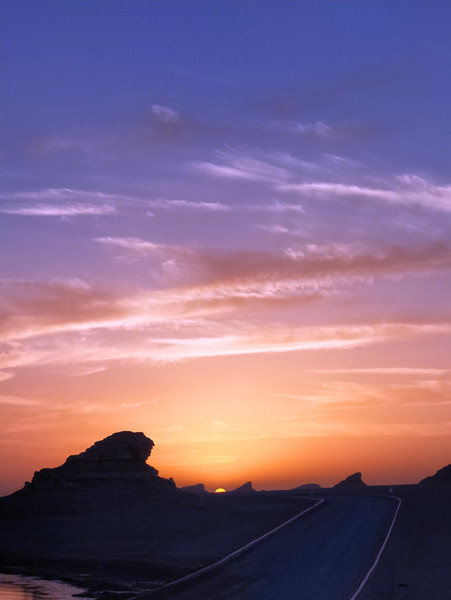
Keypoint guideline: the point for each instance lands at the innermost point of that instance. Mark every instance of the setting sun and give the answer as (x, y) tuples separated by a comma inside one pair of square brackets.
[(226, 243), (254, 273)]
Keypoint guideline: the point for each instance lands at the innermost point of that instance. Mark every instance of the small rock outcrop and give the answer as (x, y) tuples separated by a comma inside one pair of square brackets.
[(442, 477), (308, 486), (352, 483), (198, 489), (111, 474), (244, 490)]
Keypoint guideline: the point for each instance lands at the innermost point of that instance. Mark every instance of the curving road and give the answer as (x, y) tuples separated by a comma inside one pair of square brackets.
[(322, 556)]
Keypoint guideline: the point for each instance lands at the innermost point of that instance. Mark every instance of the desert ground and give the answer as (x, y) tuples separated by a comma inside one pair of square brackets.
[(120, 549), (128, 554), (105, 521)]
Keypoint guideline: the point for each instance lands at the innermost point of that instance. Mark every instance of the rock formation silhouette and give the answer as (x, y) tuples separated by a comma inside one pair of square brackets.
[(442, 477), (121, 455), (308, 486), (111, 473), (243, 490), (198, 488), (351, 483)]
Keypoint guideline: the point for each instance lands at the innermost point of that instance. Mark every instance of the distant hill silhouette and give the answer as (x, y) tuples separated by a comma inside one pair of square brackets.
[(442, 477), (353, 482), (198, 488), (111, 473), (308, 486), (244, 490)]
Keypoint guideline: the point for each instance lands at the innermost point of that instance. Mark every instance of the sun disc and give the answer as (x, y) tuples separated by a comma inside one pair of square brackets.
[(220, 491)]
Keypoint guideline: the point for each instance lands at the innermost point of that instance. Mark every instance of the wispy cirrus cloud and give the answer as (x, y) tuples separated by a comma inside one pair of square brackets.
[(190, 342), (33, 308), (274, 168), (61, 202), (68, 210), (318, 181), (205, 309), (244, 167), (408, 190), (4, 375), (280, 167), (219, 207), (169, 261), (64, 194), (189, 205), (278, 229), (384, 371), (18, 401), (67, 202), (272, 340), (292, 268), (314, 130)]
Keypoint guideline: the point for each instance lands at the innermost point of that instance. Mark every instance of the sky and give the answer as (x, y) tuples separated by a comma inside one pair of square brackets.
[(226, 223)]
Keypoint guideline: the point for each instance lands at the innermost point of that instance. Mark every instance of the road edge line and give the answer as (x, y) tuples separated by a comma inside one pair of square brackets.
[(381, 550), (230, 556)]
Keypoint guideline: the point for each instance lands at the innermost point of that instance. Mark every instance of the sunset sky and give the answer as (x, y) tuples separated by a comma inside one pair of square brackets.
[(226, 223)]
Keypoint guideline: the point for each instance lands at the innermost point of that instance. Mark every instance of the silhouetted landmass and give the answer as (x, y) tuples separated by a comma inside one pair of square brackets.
[(415, 563), (109, 474), (198, 488), (308, 486), (442, 477), (352, 483), (107, 521), (244, 490)]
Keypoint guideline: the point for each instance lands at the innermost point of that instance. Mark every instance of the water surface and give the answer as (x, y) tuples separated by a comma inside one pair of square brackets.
[(17, 587)]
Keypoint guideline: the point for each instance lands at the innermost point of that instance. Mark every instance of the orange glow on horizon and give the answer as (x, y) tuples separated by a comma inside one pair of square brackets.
[(270, 422), (254, 277)]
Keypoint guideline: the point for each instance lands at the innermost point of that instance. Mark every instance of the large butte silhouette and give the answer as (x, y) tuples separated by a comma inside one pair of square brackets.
[(111, 473)]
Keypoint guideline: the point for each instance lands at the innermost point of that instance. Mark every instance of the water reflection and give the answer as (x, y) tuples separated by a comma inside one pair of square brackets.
[(17, 587), (10, 591)]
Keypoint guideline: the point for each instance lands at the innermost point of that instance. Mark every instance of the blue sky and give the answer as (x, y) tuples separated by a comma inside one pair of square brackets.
[(91, 69), (197, 192)]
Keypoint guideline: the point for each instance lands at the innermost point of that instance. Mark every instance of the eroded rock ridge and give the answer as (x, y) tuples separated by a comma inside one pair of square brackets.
[(112, 474)]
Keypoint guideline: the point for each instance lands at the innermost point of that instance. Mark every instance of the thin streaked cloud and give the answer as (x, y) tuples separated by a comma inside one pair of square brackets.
[(244, 167), (300, 266), (143, 338), (61, 202), (63, 194), (286, 174), (410, 190), (411, 371), (190, 205), (68, 210), (195, 283), (18, 401), (4, 375)]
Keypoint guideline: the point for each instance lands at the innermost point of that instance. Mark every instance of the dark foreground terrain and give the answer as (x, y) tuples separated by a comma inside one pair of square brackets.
[(324, 554), (107, 522), (321, 556), (138, 548), (416, 564)]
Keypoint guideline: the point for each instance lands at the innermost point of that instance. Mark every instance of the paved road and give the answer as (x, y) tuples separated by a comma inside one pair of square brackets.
[(322, 556)]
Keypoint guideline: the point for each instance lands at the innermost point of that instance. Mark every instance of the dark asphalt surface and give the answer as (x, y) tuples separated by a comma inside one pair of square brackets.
[(322, 556)]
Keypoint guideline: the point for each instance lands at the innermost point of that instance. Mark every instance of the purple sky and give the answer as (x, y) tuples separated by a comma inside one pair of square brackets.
[(226, 222)]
